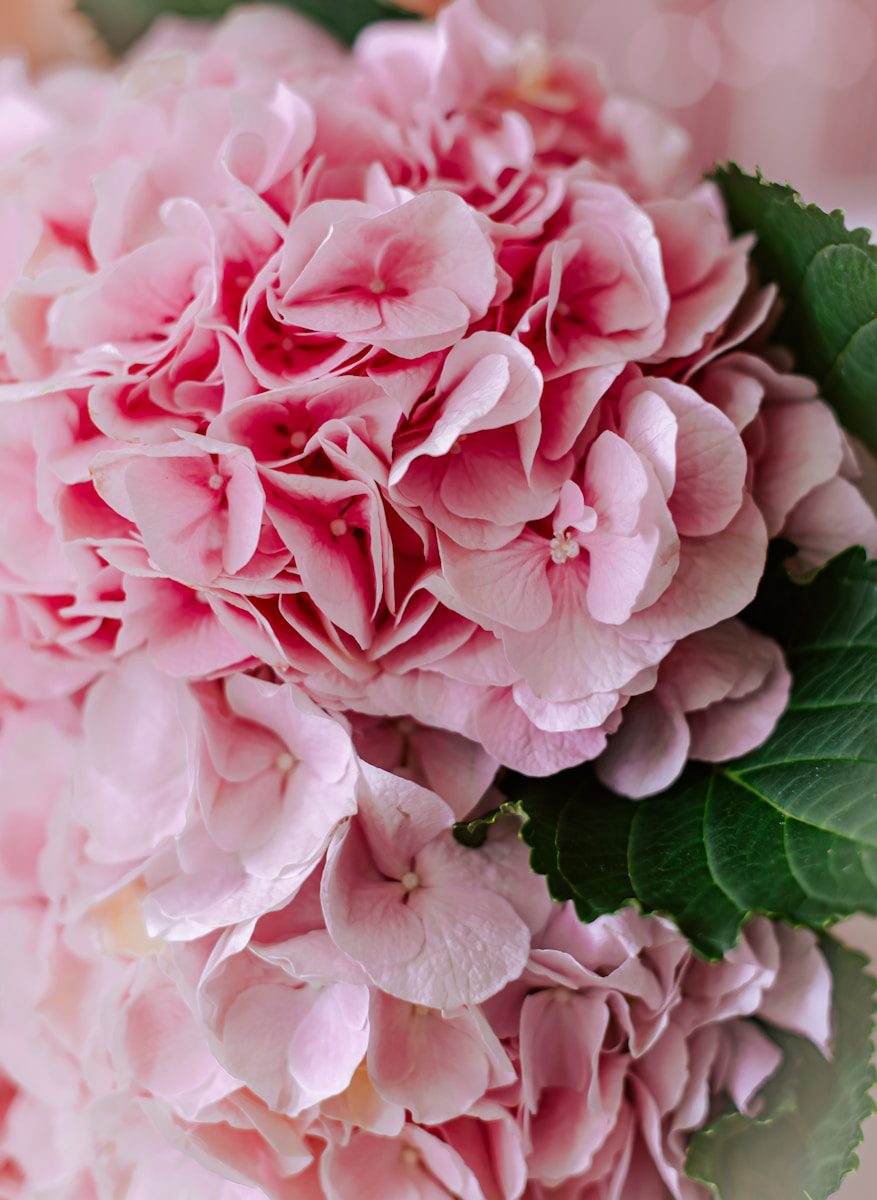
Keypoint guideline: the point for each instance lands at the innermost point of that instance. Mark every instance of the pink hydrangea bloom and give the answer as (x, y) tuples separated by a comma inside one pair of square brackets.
[(410, 374), (263, 1058), (372, 422)]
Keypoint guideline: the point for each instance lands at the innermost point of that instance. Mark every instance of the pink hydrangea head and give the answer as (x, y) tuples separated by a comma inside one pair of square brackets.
[(407, 374), (373, 421), (476, 1041)]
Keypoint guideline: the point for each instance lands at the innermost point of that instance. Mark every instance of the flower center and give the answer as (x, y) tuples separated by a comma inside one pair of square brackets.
[(410, 881), (338, 527), (409, 1156), (284, 762), (563, 546), (215, 481), (298, 440), (377, 287)]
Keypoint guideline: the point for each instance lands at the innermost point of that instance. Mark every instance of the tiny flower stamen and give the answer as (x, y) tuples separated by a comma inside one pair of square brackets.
[(216, 482), (410, 881), (377, 287), (563, 546), (298, 440), (338, 527), (284, 762), (409, 1156)]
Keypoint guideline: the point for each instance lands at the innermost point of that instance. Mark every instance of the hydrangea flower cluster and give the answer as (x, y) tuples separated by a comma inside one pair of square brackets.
[(406, 374), (370, 422), (418, 1021)]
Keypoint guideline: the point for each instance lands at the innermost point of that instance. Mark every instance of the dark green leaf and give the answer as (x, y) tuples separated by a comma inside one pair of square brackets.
[(827, 276), (803, 1141), (121, 22), (789, 830)]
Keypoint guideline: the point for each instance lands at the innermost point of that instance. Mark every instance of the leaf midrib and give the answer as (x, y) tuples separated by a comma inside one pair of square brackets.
[(793, 303), (735, 778)]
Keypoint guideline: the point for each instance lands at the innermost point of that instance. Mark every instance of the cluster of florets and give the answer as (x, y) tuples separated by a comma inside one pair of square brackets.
[(371, 421), (406, 374), (196, 995)]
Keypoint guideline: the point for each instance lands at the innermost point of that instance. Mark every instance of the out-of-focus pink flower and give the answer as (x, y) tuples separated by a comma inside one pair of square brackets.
[(418, 1165), (684, 1036)]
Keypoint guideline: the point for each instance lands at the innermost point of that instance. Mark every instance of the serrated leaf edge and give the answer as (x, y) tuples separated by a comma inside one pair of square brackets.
[(869, 1105)]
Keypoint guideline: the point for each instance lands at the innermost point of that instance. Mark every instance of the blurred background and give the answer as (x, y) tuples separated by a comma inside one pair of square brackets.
[(789, 86)]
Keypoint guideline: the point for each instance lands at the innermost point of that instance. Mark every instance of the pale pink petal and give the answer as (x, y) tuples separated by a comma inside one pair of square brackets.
[(827, 521), (435, 1066), (508, 586), (650, 748)]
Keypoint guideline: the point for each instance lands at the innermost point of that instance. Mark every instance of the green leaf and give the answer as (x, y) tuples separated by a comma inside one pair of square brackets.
[(789, 830), (803, 1141), (827, 276), (121, 22), (473, 833)]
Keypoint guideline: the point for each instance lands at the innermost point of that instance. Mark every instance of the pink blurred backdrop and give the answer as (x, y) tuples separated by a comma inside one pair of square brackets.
[(789, 85)]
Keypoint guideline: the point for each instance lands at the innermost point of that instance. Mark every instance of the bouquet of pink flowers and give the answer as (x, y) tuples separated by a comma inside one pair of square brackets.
[(437, 710)]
